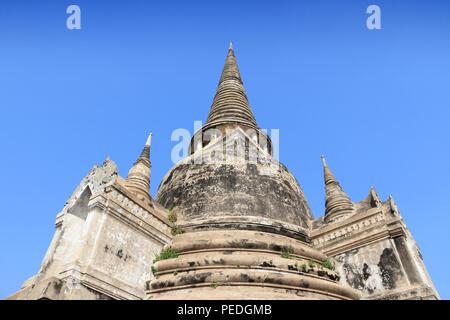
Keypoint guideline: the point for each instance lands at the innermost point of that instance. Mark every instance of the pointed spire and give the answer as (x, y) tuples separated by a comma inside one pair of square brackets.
[(375, 199), (145, 154), (138, 180), (230, 104), (337, 203), (328, 175), (149, 140), (392, 205)]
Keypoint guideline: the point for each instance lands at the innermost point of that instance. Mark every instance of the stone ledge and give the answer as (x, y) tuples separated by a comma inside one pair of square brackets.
[(251, 277)]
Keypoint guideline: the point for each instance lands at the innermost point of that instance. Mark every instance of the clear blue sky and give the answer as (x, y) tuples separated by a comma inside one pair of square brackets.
[(376, 103)]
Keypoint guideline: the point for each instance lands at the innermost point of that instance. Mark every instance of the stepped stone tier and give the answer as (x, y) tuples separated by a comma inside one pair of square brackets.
[(229, 222), (237, 264)]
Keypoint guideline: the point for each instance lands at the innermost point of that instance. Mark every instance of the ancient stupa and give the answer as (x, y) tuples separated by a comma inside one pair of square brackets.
[(229, 222)]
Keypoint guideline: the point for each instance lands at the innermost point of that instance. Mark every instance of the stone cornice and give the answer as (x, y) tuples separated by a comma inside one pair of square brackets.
[(343, 223), (119, 187), (98, 281), (409, 293), (357, 231), (128, 211)]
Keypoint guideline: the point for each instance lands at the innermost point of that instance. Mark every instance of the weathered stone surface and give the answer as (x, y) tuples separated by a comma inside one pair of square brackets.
[(203, 186), (375, 252), (230, 222), (105, 241), (228, 258), (337, 203)]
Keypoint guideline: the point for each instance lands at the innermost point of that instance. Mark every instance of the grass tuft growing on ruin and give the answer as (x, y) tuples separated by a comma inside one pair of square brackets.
[(154, 272), (285, 253), (176, 230), (328, 264), (165, 254), (172, 216)]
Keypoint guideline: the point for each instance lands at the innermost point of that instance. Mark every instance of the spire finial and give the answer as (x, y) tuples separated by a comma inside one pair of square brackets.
[(149, 140), (231, 46), (328, 175), (230, 103), (324, 162)]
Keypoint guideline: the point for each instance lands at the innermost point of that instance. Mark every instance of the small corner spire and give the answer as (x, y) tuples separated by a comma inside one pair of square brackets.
[(145, 154), (327, 174), (337, 203), (138, 180)]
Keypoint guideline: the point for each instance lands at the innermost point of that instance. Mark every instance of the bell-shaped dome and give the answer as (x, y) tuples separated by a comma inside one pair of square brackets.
[(233, 179)]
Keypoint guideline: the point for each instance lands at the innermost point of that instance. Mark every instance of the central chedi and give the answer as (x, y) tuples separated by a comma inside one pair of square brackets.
[(241, 220), (229, 222)]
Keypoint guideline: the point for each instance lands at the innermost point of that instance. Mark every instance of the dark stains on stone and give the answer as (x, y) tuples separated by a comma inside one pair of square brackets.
[(216, 189), (162, 284), (194, 279), (119, 253), (246, 278), (275, 247), (366, 271), (273, 280), (245, 243), (390, 268), (354, 278), (267, 264), (321, 273), (57, 285)]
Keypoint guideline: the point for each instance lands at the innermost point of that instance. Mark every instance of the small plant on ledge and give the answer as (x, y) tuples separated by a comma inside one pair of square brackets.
[(165, 254), (304, 267), (328, 264), (176, 230), (286, 254), (155, 274), (172, 216)]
